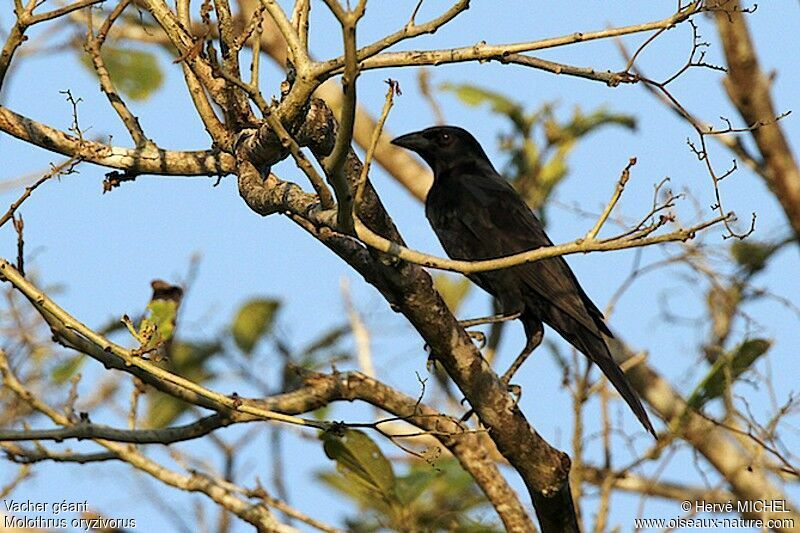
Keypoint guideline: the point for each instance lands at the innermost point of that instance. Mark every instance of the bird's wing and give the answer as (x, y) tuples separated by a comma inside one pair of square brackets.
[(502, 225)]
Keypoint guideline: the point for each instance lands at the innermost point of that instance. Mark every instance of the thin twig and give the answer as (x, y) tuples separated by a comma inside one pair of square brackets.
[(67, 167), (394, 88), (334, 163), (623, 179), (299, 55), (86, 430), (93, 48), (485, 52), (75, 333), (582, 246)]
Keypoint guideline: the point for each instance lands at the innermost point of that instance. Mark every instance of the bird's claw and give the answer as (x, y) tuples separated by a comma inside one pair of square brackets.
[(515, 391), (469, 412), (479, 337)]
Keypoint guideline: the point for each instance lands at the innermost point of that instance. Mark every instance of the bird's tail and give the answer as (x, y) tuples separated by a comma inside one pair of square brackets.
[(597, 350)]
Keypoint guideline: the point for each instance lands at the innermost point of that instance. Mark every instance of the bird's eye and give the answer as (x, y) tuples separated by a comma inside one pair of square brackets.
[(445, 138)]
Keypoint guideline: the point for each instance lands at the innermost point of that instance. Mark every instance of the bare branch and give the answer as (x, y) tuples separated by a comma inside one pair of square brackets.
[(78, 336), (629, 482), (708, 439), (26, 19), (93, 48), (485, 52), (623, 179), (188, 49), (623, 242), (300, 20), (257, 515), (749, 90), (149, 160), (299, 55), (58, 170), (410, 30), (394, 88), (87, 430), (334, 163), (28, 457)]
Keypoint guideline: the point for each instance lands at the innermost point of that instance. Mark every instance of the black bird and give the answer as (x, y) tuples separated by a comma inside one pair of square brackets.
[(476, 215)]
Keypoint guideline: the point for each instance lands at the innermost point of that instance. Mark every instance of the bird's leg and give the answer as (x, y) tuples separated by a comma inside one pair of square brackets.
[(479, 337), (492, 319), (534, 341)]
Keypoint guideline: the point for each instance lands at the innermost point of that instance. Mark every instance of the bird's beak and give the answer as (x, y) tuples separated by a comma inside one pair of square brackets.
[(412, 141)]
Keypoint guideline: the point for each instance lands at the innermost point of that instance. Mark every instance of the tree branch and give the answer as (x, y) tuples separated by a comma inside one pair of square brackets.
[(486, 52), (628, 482), (93, 48), (410, 290), (470, 448), (87, 430), (58, 170), (334, 163), (749, 90), (258, 515), (76, 335), (148, 160), (299, 56), (746, 482), (26, 19), (635, 240)]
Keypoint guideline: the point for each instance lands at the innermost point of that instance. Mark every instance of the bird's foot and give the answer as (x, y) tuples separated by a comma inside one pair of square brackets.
[(479, 337), (515, 391), (493, 319), (466, 416)]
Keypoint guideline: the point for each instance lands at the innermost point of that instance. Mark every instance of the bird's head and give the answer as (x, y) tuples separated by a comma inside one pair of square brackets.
[(443, 147)]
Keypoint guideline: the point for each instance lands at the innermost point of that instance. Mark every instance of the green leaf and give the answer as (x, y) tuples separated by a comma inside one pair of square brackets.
[(341, 484), (752, 255), (429, 498), (159, 324), (188, 360), (580, 125), (554, 170), (163, 409), (253, 320), (742, 358), (162, 315), (452, 289), (322, 413), (135, 73), (64, 370), (361, 462), (474, 96), (411, 486)]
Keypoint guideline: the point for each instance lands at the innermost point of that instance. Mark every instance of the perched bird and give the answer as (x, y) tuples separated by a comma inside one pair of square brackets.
[(476, 214)]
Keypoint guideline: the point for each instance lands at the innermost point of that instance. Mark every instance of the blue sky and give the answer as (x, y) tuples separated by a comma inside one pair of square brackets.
[(104, 249)]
